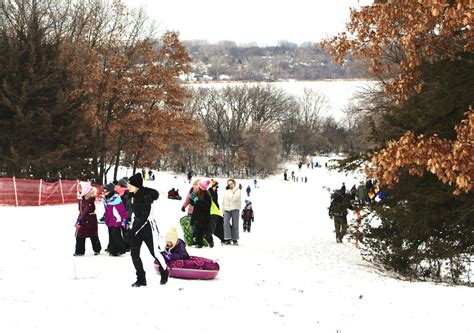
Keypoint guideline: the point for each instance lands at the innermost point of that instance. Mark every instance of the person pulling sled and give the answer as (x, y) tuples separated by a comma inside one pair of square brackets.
[(142, 229)]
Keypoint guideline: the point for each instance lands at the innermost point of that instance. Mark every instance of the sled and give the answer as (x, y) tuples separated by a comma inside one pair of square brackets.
[(185, 223), (194, 268)]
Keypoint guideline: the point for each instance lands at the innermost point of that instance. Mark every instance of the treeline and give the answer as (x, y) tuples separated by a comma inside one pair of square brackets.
[(248, 129), (85, 86), (228, 61)]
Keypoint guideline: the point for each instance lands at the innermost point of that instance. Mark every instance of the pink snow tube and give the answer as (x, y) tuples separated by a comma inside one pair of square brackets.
[(196, 268)]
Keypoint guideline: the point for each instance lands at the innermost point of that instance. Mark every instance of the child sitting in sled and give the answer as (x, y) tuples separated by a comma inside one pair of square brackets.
[(175, 247)]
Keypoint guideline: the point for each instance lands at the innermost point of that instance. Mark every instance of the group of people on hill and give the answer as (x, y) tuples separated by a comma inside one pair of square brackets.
[(125, 197), (120, 201), (208, 218), (342, 201), (295, 178)]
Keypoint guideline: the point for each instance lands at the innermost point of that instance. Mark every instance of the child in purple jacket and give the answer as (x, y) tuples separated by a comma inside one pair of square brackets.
[(115, 213), (175, 247)]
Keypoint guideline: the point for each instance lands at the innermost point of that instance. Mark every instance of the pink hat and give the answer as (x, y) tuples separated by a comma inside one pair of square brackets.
[(203, 184), (86, 188)]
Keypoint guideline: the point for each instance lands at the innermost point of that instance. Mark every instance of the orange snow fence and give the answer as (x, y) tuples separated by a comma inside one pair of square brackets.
[(33, 192)]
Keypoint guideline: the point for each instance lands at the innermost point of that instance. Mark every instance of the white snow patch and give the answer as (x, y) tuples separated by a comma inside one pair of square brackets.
[(287, 274)]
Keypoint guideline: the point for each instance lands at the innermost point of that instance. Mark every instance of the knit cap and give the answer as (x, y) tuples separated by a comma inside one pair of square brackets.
[(86, 187), (123, 182), (136, 180), (172, 236), (110, 187), (203, 184)]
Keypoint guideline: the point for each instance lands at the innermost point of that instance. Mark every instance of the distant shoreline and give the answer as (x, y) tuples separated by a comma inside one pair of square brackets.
[(279, 81)]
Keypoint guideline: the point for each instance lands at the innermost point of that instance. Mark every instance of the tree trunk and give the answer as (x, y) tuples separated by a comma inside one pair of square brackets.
[(117, 156), (135, 162), (95, 166)]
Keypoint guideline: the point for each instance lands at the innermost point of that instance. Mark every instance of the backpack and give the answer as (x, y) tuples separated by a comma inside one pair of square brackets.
[(339, 204)]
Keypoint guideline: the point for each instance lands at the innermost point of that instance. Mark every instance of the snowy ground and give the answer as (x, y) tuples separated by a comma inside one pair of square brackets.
[(287, 274)]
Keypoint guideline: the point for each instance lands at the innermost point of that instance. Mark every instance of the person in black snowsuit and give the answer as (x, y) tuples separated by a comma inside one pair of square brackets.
[(340, 203), (217, 222), (142, 199), (201, 217), (353, 192), (343, 187), (122, 189), (151, 176), (285, 176), (248, 190)]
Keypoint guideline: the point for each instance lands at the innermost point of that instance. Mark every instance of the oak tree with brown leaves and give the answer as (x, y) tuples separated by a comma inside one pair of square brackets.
[(421, 122), (398, 36)]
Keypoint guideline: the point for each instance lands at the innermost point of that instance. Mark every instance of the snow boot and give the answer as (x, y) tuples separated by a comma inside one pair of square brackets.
[(141, 280), (234, 242), (164, 275), (139, 284)]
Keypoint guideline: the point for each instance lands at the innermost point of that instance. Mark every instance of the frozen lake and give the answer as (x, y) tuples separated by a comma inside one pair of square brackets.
[(339, 93)]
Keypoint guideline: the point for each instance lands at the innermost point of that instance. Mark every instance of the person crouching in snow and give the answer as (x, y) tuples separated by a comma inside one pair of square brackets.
[(115, 213), (175, 247), (247, 215), (86, 224), (142, 199)]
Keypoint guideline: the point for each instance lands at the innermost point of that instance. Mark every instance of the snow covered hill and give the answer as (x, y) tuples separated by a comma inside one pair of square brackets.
[(287, 274)]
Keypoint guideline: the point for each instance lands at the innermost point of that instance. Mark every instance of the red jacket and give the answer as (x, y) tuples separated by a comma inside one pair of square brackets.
[(87, 217)]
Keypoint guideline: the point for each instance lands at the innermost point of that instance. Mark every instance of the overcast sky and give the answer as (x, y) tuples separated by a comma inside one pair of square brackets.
[(262, 21)]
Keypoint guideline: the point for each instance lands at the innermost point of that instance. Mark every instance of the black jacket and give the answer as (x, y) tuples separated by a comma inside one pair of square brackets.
[(340, 203), (127, 201), (247, 214), (201, 217), (141, 205), (214, 196)]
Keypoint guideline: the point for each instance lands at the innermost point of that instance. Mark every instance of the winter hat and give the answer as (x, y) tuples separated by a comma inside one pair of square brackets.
[(110, 187), (86, 187), (123, 182), (248, 202), (203, 184), (136, 180), (172, 236)]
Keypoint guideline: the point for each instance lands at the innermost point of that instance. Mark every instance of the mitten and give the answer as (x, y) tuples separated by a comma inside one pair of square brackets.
[(183, 209), (126, 224), (79, 223)]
